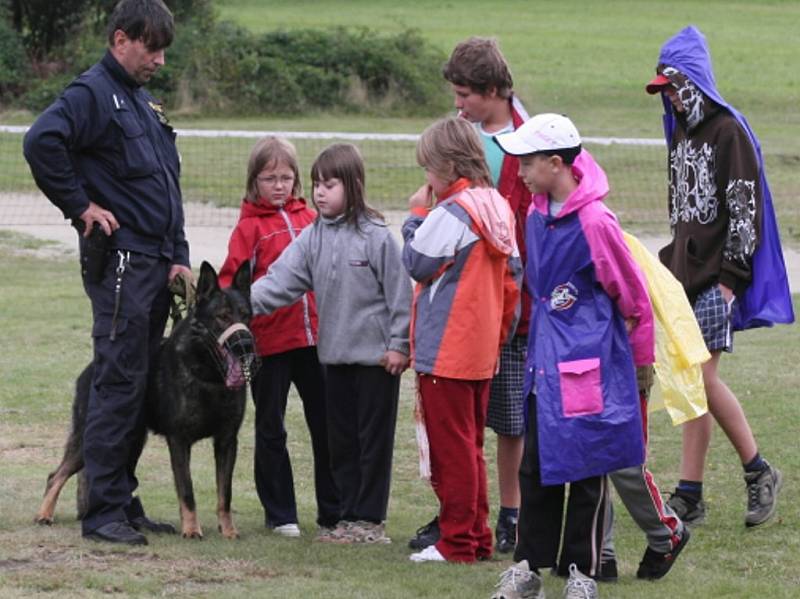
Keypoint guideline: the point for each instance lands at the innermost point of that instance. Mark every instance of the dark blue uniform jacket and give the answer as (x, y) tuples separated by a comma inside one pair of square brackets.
[(105, 140)]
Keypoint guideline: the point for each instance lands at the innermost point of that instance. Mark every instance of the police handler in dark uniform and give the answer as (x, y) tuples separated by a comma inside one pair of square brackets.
[(105, 155)]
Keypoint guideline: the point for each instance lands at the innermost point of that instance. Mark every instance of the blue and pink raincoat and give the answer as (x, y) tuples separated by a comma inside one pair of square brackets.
[(581, 359)]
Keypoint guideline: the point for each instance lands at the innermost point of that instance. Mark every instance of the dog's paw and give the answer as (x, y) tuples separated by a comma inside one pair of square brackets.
[(43, 520), (229, 532), (192, 533)]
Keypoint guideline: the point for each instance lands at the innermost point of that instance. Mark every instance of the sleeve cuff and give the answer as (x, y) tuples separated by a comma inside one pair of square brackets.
[(400, 346), (420, 211)]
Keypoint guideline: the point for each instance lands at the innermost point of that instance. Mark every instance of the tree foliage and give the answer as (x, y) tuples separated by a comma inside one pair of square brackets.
[(45, 25), (219, 67)]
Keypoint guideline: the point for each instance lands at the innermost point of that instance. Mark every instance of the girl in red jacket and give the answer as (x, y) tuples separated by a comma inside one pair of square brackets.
[(272, 215)]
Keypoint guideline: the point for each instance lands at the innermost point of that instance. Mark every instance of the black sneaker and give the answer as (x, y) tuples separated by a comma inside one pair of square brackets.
[(762, 495), (426, 535), (607, 571), (141, 523), (117, 532), (687, 509), (506, 534), (655, 565)]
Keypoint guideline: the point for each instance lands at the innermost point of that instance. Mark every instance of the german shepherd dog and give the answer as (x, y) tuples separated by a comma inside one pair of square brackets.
[(196, 390)]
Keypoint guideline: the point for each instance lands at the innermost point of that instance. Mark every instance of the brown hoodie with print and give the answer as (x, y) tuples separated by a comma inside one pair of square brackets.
[(715, 198)]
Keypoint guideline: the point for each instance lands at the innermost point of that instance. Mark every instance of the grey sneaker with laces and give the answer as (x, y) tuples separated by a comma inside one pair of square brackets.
[(762, 494), (519, 582), (580, 586), (370, 533), (690, 512)]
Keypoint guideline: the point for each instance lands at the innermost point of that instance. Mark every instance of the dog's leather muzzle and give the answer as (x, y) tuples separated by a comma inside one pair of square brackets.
[(238, 359)]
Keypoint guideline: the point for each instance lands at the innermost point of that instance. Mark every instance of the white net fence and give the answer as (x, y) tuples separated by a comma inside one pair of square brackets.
[(214, 166)]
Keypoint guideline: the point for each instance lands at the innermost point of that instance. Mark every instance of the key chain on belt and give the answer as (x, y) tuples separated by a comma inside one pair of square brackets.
[(124, 258)]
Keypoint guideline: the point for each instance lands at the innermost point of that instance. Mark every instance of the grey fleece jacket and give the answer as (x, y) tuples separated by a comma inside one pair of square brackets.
[(362, 289)]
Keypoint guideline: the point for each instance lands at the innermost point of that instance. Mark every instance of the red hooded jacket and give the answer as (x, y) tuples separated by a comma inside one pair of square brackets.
[(260, 236), (511, 187)]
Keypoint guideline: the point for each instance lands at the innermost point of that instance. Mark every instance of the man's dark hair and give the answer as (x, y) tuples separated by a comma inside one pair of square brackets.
[(478, 64), (149, 21), (567, 155)]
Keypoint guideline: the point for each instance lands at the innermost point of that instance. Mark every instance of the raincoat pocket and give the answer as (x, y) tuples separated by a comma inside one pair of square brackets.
[(581, 391)]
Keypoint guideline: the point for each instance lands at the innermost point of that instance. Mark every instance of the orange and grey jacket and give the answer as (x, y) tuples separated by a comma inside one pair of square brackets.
[(464, 257)]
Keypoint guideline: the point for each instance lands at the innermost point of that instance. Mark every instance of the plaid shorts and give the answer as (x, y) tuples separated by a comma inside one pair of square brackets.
[(713, 315), (506, 414)]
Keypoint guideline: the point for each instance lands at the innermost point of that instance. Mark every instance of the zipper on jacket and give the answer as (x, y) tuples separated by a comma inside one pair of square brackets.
[(306, 309)]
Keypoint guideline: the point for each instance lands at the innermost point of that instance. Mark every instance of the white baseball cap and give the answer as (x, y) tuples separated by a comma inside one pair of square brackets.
[(543, 132)]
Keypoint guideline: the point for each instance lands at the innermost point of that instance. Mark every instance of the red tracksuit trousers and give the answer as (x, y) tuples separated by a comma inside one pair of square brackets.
[(455, 415)]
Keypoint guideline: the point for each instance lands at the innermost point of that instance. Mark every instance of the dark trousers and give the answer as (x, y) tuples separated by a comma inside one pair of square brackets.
[(362, 413), (541, 514), (273, 469), (115, 428)]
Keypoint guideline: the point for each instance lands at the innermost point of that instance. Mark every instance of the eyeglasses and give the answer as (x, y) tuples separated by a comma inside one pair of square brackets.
[(272, 180)]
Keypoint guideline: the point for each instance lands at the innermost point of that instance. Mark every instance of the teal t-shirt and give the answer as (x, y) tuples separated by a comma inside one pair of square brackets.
[(494, 155)]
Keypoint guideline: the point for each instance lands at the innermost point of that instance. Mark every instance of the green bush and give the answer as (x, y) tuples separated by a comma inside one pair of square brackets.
[(14, 66), (43, 92), (46, 25), (78, 55), (291, 71), (219, 67)]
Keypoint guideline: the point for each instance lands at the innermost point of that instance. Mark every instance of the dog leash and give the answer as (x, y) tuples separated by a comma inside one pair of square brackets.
[(183, 297)]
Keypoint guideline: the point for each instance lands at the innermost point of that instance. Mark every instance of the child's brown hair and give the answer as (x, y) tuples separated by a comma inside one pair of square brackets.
[(269, 152), (343, 161), (477, 63), (451, 148)]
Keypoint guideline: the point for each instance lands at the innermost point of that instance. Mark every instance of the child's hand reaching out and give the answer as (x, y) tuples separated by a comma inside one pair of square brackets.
[(394, 362)]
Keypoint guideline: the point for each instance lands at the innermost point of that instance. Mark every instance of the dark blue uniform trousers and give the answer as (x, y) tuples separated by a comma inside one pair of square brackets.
[(115, 422)]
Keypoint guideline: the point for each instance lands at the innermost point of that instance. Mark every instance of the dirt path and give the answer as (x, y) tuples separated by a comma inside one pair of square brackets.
[(210, 242)]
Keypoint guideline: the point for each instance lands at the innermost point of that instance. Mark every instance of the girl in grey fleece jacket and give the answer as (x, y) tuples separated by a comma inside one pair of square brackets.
[(351, 261)]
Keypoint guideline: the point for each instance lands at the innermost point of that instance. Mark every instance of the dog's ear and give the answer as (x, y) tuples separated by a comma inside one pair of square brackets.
[(207, 284), (241, 280)]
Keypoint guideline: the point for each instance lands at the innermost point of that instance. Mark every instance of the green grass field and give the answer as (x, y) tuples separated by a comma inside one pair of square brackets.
[(45, 320), (589, 60)]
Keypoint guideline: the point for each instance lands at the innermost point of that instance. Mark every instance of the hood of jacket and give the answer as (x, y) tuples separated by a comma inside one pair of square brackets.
[(592, 186), (492, 216), (263, 208), (687, 51)]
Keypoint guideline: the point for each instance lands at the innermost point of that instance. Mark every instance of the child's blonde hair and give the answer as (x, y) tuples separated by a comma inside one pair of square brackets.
[(451, 148), (343, 161), (269, 152)]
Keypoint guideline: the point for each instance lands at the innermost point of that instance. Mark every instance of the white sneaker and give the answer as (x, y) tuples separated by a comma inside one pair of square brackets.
[(519, 582), (287, 530), (580, 586), (429, 554)]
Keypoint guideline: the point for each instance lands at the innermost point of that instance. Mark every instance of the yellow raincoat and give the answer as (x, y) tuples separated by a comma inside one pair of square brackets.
[(680, 349)]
